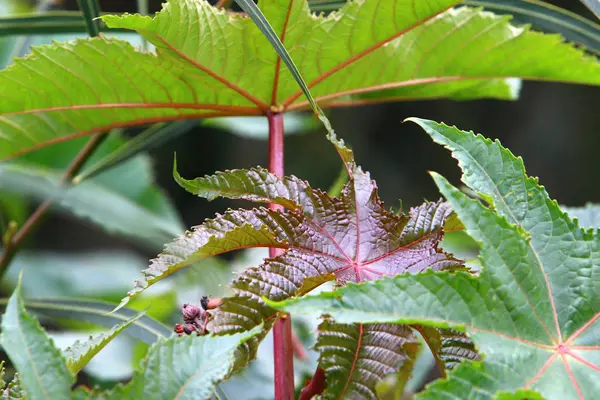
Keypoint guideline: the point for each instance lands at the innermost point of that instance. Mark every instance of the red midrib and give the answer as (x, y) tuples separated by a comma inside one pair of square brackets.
[(360, 55), (158, 105), (354, 360), (262, 105)]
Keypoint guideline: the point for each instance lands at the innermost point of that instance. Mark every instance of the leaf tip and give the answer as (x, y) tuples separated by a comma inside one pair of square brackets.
[(122, 304)]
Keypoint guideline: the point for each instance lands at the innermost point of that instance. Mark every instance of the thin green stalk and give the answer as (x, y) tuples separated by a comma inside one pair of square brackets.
[(91, 11), (142, 6)]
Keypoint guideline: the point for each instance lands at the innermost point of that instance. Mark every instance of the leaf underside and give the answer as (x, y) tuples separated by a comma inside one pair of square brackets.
[(356, 357), (216, 63), (449, 346), (533, 313)]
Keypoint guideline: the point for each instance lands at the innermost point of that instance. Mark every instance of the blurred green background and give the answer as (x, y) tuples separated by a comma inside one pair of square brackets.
[(554, 127)]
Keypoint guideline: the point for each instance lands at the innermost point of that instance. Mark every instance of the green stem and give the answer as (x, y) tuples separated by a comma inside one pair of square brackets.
[(90, 11)]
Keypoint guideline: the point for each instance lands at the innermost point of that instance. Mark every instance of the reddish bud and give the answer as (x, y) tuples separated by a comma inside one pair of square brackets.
[(213, 303), (190, 312), (179, 328)]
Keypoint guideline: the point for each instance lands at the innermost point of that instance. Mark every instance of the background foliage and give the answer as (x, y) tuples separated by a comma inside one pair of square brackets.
[(550, 126)]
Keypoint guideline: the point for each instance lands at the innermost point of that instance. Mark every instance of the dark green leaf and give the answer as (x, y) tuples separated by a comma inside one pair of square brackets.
[(151, 138), (91, 11), (46, 23)]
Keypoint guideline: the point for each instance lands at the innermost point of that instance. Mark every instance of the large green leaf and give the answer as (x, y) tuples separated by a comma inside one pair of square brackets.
[(186, 367), (533, 312), (42, 369), (219, 64), (541, 15)]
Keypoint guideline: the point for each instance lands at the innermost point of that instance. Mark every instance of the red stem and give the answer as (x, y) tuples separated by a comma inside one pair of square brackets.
[(282, 333), (315, 386)]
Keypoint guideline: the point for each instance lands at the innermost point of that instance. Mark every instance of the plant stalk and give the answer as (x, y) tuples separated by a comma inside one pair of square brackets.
[(282, 332), (35, 218)]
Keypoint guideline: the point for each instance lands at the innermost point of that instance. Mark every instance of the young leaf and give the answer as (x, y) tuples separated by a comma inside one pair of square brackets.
[(80, 353), (356, 357), (187, 367), (42, 367), (219, 64), (351, 238), (533, 313)]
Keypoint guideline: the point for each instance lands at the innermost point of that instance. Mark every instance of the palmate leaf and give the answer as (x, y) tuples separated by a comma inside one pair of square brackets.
[(219, 64), (533, 313), (350, 238)]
